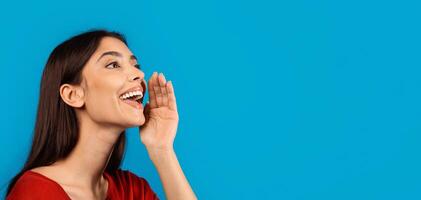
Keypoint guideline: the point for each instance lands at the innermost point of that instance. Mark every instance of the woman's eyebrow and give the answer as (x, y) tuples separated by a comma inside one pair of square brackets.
[(117, 54)]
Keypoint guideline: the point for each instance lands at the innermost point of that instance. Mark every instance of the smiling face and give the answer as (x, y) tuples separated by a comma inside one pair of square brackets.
[(110, 73)]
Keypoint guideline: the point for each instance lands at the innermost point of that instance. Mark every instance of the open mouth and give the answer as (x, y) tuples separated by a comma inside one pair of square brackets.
[(133, 98)]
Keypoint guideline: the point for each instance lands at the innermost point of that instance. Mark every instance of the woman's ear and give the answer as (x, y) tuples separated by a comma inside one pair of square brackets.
[(72, 95)]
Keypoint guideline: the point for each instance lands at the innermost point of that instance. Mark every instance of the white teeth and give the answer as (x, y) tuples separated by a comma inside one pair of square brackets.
[(139, 95)]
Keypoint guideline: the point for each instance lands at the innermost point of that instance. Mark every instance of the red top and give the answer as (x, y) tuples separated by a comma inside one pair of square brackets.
[(122, 184)]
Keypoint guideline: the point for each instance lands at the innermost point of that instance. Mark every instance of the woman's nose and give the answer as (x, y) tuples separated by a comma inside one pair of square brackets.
[(136, 77), (136, 74)]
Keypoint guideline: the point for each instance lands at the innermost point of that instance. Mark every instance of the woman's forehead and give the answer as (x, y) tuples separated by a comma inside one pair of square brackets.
[(110, 44)]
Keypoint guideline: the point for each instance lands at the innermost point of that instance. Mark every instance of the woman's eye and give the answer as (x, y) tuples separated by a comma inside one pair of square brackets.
[(137, 66), (113, 64)]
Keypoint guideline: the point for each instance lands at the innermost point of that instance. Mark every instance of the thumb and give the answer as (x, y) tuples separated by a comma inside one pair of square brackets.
[(146, 111)]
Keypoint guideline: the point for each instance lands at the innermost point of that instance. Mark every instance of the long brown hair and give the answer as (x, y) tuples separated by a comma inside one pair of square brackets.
[(56, 129)]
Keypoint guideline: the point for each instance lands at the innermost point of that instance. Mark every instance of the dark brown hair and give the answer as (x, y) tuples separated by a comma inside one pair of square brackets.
[(56, 128)]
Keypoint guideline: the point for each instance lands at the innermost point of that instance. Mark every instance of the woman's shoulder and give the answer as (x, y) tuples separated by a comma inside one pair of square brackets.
[(34, 185), (128, 183), (122, 184)]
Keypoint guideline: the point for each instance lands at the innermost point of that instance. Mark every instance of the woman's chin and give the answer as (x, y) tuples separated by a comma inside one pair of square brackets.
[(135, 116), (138, 121)]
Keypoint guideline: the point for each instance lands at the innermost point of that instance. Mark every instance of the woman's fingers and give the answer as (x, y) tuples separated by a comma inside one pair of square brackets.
[(161, 92), (172, 104), (152, 95), (163, 89), (157, 90)]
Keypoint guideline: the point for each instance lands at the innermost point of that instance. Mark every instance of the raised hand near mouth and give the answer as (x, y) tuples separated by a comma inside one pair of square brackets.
[(161, 115), (158, 134)]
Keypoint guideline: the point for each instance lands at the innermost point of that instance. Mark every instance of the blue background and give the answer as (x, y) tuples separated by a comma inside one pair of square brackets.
[(277, 99)]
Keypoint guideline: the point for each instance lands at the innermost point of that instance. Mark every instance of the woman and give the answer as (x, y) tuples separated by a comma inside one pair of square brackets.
[(92, 89)]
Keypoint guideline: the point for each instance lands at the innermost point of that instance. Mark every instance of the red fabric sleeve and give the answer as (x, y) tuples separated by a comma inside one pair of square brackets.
[(32, 186), (127, 185)]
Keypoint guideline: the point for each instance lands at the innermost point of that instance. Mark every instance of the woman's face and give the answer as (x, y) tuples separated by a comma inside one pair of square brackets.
[(111, 72)]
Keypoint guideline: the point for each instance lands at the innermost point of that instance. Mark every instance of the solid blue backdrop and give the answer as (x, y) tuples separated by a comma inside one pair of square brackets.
[(277, 99)]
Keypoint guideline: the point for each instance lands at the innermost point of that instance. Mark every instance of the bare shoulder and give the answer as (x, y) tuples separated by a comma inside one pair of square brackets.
[(40, 170), (47, 171), (51, 172)]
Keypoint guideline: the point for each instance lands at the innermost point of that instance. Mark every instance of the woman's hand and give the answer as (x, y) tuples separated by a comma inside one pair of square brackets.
[(161, 115), (158, 134)]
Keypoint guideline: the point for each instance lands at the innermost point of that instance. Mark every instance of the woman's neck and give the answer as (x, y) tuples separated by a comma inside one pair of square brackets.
[(87, 162)]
